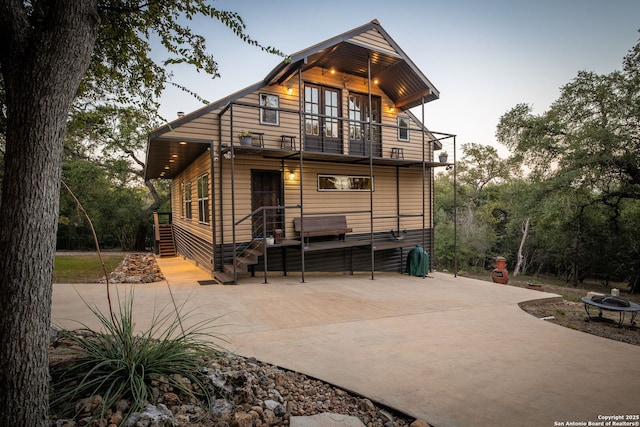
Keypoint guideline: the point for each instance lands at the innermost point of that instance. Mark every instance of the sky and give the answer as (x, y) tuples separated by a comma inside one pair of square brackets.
[(484, 57)]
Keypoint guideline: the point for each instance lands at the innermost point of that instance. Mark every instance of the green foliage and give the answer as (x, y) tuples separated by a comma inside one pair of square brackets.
[(122, 70), (118, 363), (103, 148), (113, 206), (580, 191)]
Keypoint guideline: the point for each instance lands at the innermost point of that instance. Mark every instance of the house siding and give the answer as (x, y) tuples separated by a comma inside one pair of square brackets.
[(401, 199), (374, 39)]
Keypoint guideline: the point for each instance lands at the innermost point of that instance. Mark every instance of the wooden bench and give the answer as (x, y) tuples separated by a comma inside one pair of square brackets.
[(323, 226)]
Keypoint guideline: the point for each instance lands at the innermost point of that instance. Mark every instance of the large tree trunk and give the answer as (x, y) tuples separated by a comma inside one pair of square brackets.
[(43, 60), (525, 234)]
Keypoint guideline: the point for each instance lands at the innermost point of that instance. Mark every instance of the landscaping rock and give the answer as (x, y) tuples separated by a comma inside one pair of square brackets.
[(152, 416), (326, 420), (136, 268)]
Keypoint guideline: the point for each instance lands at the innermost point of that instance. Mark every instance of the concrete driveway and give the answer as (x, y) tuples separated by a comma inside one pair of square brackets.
[(452, 351)]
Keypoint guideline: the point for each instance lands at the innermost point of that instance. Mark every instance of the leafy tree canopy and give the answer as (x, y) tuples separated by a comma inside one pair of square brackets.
[(121, 68), (589, 138)]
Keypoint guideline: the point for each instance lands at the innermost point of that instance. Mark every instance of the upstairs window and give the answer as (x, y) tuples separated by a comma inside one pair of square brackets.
[(187, 201), (269, 115), (203, 199), (403, 129)]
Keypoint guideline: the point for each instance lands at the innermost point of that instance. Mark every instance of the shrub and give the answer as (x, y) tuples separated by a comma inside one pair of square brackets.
[(119, 364)]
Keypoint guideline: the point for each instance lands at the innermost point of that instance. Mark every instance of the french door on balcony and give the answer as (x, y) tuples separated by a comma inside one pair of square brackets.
[(322, 119), (360, 132)]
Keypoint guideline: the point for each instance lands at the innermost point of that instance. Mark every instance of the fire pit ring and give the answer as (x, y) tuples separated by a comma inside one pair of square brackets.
[(611, 303)]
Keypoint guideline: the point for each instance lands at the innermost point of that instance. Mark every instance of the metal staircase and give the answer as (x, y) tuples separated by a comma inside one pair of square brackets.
[(247, 257)]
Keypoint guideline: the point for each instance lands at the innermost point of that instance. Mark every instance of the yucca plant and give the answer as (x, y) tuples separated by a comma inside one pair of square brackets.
[(118, 363)]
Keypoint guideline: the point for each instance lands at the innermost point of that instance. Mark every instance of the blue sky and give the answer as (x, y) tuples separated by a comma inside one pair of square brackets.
[(483, 56)]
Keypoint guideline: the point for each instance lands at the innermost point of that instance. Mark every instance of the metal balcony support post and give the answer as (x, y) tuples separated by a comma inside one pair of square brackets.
[(370, 136), (233, 203), (264, 242), (302, 142), (424, 175)]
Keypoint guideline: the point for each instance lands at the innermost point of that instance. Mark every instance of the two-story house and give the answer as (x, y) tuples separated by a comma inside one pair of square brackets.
[(334, 172)]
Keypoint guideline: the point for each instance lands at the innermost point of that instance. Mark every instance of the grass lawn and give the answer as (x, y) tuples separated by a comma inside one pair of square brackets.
[(82, 268)]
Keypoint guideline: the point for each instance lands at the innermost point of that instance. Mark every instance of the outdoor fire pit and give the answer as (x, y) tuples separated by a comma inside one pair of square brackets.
[(611, 303)]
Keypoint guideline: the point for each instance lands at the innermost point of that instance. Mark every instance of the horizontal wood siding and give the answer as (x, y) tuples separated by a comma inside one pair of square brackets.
[(246, 117), (374, 39), (202, 127), (194, 248), (385, 200), (193, 239)]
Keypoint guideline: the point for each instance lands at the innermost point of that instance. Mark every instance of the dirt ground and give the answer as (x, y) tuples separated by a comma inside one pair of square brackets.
[(570, 312)]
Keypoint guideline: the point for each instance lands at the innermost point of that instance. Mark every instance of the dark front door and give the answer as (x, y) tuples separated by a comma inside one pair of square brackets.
[(266, 190), (360, 131), (322, 119)]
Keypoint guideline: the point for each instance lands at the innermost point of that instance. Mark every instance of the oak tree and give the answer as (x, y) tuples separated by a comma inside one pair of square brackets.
[(55, 53)]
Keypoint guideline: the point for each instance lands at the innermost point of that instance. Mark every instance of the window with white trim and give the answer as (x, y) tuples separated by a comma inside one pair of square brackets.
[(203, 199), (344, 183), (403, 128), (270, 115), (186, 208)]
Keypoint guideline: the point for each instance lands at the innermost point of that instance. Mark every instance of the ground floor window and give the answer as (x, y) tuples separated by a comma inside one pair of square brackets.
[(186, 207), (203, 199), (344, 183)]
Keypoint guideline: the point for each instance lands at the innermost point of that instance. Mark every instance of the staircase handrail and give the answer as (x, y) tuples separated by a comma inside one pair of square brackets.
[(263, 208)]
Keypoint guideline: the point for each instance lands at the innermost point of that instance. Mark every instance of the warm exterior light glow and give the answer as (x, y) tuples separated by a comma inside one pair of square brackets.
[(182, 143), (292, 175)]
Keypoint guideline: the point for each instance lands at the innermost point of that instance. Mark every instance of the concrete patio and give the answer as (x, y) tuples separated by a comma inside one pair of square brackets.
[(452, 351)]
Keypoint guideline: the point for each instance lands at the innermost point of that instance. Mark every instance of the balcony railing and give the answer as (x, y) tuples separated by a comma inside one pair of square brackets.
[(291, 134)]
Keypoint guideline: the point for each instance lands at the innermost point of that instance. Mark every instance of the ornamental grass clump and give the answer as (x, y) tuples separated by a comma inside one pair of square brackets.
[(118, 363)]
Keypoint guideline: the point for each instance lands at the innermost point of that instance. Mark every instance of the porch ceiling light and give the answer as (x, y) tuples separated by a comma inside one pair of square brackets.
[(182, 143)]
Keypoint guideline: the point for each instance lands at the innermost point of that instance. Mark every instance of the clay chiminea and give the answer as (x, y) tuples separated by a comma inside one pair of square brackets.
[(500, 273)]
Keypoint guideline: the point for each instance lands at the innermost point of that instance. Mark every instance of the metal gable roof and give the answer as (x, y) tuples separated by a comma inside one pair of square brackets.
[(396, 74)]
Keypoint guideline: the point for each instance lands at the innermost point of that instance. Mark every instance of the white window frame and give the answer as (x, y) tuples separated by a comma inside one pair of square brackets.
[(203, 199), (187, 204), (264, 102), (403, 128), (345, 183)]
